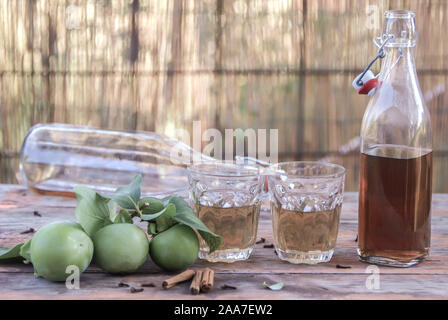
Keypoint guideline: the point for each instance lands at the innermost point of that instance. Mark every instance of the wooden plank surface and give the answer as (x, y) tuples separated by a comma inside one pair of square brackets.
[(324, 281)]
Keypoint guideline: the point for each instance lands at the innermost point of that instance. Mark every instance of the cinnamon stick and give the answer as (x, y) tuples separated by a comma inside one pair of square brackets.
[(195, 286), (208, 279), (181, 277)]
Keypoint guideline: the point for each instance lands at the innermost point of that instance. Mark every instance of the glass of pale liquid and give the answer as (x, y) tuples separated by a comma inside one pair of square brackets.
[(306, 200), (227, 199)]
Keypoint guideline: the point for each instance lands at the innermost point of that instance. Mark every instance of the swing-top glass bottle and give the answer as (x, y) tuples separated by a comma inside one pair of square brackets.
[(396, 156)]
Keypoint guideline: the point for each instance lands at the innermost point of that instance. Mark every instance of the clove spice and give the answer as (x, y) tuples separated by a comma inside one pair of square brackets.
[(122, 284), (340, 266), (36, 213), (148, 285), (226, 286), (262, 240), (268, 245), (135, 290), (195, 286), (30, 230), (181, 277), (208, 279)]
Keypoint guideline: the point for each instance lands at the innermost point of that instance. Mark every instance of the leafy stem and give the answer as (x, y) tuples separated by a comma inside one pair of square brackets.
[(137, 209), (144, 206), (95, 211)]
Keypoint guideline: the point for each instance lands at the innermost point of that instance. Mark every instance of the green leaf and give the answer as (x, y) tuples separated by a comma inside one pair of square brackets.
[(165, 221), (186, 215), (169, 211), (213, 240), (123, 217), (152, 228), (150, 205), (181, 205), (11, 254), (93, 211), (25, 250), (276, 286), (127, 196), (159, 217)]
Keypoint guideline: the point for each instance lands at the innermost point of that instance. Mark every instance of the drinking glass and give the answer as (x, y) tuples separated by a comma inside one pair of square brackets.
[(306, 200), (227, 198)]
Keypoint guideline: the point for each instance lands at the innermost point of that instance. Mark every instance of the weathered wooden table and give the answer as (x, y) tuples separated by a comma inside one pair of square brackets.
[(324, 281)]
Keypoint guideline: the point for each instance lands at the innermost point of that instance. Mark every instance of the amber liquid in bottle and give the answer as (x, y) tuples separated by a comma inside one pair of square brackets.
[(395, 204)]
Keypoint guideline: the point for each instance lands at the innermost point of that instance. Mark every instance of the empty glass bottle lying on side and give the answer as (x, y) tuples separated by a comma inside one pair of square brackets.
[(56, 157)]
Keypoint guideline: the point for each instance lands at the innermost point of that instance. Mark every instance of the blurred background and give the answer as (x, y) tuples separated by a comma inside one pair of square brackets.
[(158, 65)]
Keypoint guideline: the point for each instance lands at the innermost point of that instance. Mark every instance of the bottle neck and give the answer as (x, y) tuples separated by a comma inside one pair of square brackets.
[(398, 65)]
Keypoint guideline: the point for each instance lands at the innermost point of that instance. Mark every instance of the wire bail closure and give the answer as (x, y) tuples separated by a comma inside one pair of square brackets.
[(380, 42)]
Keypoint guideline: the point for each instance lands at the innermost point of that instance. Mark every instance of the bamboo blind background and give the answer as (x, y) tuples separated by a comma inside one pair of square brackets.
[(158, 65)]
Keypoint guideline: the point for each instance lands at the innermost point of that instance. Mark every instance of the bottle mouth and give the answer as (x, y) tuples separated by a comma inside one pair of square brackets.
[(399, 14), (400, 24)]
